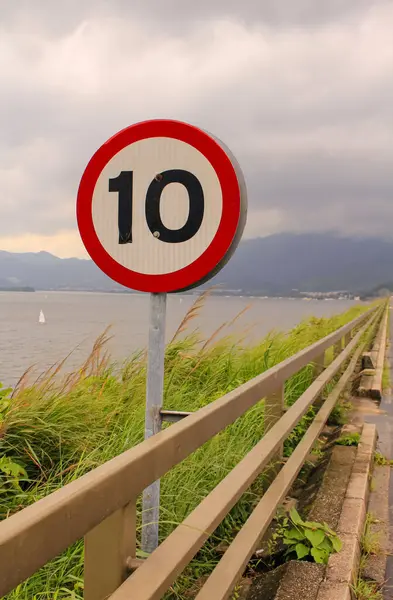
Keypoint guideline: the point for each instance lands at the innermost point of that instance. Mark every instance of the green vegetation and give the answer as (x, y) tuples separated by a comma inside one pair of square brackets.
[(318, 449), (381, 460), (339, 414), (367, 590), (350, 439), (386, 376), (308, 540), (369, 543), (57, 428)]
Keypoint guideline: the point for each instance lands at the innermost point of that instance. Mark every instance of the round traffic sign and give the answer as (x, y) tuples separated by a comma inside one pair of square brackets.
[(161, 206)]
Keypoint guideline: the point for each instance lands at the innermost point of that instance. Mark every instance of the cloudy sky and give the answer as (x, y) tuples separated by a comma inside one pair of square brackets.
[(300, 90)]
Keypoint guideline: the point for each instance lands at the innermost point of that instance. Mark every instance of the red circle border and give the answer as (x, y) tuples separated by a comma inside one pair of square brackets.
[(231, 198)]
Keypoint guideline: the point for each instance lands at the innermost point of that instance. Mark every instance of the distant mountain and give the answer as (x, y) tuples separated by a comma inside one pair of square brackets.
[(43, 271), (309, 262), (273, 265)]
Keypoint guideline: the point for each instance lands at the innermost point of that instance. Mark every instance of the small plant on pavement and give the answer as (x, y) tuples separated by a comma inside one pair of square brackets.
[(366, 590), (381, 460), (350, 439), (309, 540), (370, 541)]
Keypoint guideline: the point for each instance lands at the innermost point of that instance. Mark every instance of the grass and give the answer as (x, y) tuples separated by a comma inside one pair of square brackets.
[(370, 542), (367, 590), (386, 383), (340, 413), (56, 428), (381, 460), (349, 439)]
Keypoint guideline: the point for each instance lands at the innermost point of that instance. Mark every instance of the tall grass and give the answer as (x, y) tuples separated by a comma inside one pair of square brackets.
[(57, 428)]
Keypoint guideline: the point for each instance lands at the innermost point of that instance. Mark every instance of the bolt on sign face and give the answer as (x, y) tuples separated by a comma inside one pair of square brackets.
[(161, 206)]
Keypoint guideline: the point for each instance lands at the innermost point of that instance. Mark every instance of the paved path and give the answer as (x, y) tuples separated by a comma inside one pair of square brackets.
[(383, 418)]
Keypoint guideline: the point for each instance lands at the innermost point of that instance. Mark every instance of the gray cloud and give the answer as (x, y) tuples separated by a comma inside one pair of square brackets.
[(301, 91), (174, 14)]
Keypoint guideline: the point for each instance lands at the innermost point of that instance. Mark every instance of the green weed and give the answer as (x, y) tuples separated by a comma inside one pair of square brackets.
[(339, 414), (386, 383), (5, 400), (381, 460), (370, 542), (309, 540), (349, 439), (367, 590), (318, 449)]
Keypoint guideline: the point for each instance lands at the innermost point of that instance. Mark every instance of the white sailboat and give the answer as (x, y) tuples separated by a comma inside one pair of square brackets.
[(41, 318)]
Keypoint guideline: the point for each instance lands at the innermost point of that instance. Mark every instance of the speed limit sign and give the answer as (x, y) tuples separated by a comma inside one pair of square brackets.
[(161, 206)]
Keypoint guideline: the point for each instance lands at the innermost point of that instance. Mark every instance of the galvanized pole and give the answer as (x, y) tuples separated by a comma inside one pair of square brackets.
[(154, 401)]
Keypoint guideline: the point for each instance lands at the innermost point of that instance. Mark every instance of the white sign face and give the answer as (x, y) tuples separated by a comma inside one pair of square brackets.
[(147, 254), (161, 206)]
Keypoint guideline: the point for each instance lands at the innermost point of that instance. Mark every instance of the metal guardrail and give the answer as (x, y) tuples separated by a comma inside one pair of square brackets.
[(101, 505)]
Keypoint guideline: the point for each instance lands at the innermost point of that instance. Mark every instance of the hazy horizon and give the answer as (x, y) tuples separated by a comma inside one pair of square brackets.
[(332, 234)]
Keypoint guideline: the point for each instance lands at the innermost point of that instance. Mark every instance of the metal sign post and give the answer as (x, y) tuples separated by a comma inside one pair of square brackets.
[(154, 402), (161, 208)]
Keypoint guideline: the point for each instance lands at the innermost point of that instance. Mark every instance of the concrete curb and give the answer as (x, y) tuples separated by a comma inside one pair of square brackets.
[(343, 567), (371, 382), (376, 387)]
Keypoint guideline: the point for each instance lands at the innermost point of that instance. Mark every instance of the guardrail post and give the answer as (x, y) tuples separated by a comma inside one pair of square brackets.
[(319, 365), (347, 338), (337, 348), (107, 548), (274, 410)]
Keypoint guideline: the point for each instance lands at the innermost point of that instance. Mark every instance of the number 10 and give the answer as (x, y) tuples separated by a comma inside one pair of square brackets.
[(123, 185)]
